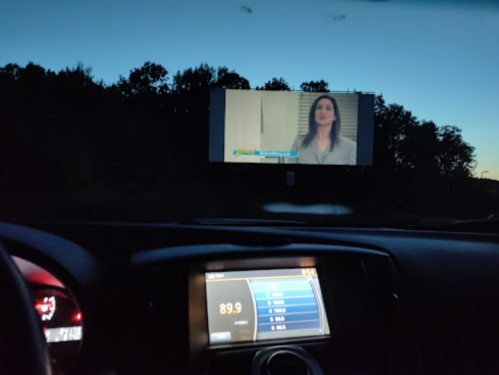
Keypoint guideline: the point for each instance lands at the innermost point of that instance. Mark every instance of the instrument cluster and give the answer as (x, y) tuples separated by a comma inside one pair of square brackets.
[(60, 314)]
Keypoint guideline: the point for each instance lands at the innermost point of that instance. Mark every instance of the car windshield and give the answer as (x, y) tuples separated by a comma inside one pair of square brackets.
[(105, 111)]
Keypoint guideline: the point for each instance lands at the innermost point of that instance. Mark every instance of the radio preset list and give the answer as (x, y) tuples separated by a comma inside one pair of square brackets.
[(264, 305)]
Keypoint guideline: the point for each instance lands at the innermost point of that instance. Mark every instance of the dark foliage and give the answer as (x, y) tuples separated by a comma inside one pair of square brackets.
[(66, 137), (275, 85), (315, 86)]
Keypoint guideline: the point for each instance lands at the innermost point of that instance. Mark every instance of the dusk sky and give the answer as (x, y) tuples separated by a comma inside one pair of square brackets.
[(439, 59)]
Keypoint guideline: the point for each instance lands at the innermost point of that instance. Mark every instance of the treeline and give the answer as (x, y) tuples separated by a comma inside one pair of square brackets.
[(65, 131)]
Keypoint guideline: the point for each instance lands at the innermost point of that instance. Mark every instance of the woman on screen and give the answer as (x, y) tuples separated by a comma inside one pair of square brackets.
[(324, 144)]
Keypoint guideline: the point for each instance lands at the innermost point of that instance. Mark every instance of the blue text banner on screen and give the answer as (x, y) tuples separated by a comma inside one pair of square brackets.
[(284, 154)]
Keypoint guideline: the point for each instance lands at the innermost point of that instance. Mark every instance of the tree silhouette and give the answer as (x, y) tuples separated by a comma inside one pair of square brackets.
[(206, 77), (230, 80), (200, 78), (65, 133), (9, 73), (276, 85), (419, 148), (192, 86), (151, 78), (315, 86), (455, 157), (404, 144), (76, 87), (78, 76)]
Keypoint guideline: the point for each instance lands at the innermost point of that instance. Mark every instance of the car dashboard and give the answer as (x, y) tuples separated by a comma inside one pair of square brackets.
[(176, 299)]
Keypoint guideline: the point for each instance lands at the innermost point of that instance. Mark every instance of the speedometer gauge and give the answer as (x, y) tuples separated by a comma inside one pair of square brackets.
[(59, 312), (46, 308), (61, 318), (62, 324)]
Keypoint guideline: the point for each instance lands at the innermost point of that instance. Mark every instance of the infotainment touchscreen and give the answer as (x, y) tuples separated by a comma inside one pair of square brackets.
[(264, 305)]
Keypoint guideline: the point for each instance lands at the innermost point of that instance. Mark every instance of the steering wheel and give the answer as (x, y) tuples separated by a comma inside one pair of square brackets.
[(23, 350)]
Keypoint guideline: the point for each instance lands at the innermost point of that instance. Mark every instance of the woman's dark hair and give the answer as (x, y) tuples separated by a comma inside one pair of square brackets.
[(312, 126)]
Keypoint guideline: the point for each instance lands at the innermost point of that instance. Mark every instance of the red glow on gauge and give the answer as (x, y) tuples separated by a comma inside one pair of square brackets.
[(77, 317), (43, 307)]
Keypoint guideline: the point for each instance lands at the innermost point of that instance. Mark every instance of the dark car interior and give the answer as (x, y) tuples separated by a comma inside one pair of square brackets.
[(397, 301)]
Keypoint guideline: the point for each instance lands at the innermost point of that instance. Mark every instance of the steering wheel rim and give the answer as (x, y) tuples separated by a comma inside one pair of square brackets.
[(23, 350)]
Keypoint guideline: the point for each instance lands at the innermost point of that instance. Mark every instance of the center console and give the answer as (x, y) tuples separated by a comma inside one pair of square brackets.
[(309, 309)]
